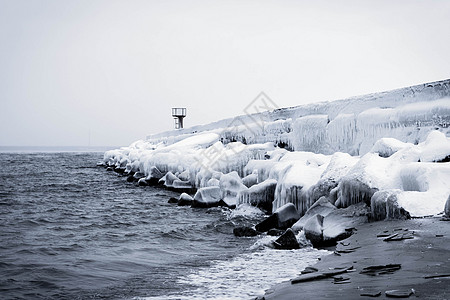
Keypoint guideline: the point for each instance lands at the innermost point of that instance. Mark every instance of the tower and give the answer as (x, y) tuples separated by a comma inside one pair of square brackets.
[(178, 114)]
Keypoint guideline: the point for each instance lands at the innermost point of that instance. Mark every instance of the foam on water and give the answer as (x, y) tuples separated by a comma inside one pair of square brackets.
[(247, 275)]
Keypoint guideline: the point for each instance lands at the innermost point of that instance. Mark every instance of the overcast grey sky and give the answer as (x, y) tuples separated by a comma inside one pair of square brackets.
[(115, 68)]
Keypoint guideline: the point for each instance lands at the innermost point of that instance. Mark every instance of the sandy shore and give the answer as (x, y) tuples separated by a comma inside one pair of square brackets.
[(425, 253)]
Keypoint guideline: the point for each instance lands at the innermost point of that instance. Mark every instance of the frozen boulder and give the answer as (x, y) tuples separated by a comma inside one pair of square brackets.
[(282, 218), (231, 185), (154, 175), (260, 195), (337, 225), (384, 205), (313, 229), (321, 207), (436, 147), (385, 147), (213, 182), (138, 175), (207, 197), (447, 207), (250, 180), (142, 182), (169, 179), (182, 186), (184, 175), (287, 241), (185, 200)]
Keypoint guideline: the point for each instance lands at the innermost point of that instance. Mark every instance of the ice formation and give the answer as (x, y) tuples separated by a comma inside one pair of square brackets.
[(390, 150)]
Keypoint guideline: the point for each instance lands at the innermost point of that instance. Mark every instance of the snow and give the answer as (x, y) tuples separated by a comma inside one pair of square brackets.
[(345, 151)]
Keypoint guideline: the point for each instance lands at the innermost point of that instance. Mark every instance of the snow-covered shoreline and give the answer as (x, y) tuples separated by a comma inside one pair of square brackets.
[(389, 150)]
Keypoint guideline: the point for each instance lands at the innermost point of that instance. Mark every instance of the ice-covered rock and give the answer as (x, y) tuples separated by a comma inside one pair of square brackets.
[(385, 147), (260, 195), (436, 148), (182, 186), (138, 175), (207, 197), (339, 165), (321, 207), (169, 179), (297, 173), (185, 200), (250, 180), (231, 185), (282, 218), (142, 182), (337, 225), (367, 176), (313, 229), (154, 175), (384, 205)]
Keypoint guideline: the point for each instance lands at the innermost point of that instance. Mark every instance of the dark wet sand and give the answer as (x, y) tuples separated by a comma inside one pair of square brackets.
[(427, 254)]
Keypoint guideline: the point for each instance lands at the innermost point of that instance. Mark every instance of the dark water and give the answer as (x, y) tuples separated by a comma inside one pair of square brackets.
[(71, 230)]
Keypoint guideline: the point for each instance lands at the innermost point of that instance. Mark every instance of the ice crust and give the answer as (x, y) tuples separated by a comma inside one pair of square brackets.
[(345, 150)]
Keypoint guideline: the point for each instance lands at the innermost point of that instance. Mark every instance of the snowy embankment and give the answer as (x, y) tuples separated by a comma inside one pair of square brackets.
[(389, 150)]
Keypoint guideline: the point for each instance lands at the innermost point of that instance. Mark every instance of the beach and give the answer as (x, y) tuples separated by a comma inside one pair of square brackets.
[(424, 263)]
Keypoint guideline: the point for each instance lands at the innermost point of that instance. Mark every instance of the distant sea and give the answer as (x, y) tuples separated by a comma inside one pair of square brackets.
[(31, 149), (72, 230)]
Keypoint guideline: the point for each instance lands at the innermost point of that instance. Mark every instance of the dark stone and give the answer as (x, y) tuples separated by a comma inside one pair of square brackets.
[(224, 203), (109, 169), (131, 178), (268, 223), (119, 170), (244, 231), (287, 241), (275, 232), (173, 200), (152, 181), (184, 202), (283, 218)]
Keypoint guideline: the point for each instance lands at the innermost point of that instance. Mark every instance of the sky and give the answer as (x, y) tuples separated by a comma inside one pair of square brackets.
[(106, 73)]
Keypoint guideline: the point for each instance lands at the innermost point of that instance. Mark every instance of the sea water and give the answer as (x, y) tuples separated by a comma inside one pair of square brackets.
[(72, 230)]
